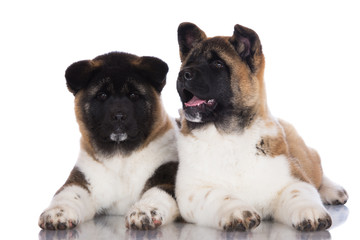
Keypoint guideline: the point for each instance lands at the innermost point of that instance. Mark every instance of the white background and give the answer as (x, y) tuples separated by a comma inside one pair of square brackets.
[(312, 77)]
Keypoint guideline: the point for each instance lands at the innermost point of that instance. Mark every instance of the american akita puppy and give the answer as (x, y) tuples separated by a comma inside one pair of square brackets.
[(128, 158), (238, 163)]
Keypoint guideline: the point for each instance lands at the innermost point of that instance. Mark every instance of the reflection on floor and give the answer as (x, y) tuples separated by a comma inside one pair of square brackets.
[(113, 227)]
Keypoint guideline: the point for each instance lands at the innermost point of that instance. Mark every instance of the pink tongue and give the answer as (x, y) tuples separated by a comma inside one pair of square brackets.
[(194, 102)]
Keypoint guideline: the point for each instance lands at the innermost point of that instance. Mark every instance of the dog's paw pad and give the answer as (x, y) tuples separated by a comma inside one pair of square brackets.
[(312, 220), (240, 221), (144, 218), (58, 218)]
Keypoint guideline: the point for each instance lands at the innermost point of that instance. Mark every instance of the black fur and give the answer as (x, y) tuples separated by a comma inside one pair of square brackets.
[(78, 178), (164, 178), (205, 75), (188, 36), (117, 98), (247, 44), (210, 80)]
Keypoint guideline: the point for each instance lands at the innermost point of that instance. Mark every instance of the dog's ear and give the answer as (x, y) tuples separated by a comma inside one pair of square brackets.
[(188, 36), (154, 70), (78, 74), (247, 44)]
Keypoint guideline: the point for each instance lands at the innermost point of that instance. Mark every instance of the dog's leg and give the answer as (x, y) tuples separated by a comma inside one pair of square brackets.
[(68, 208), (71, 205), (299, 205), (217, 208), (156, 207), (331, 193)]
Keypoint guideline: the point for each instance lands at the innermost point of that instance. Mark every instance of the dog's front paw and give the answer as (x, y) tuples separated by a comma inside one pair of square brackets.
[(240, 220), (311, 219), (58, 218), (144, 218)]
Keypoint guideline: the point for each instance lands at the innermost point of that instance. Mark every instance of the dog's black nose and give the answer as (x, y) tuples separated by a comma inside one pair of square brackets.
[(186, 75), (119, 116)]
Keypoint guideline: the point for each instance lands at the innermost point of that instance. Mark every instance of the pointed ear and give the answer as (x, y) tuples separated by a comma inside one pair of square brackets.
[(247, 44), (188, 36), (154, 70), (78, 74)]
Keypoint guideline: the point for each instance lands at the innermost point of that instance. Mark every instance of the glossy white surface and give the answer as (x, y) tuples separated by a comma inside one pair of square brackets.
[(312, 51), (113, 227)]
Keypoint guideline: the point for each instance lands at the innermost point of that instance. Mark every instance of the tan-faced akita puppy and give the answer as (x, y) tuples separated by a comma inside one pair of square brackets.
[(238, 163)]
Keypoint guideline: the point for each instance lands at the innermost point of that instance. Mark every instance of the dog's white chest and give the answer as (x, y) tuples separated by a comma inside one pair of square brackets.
[(116, 183), (232, 162)]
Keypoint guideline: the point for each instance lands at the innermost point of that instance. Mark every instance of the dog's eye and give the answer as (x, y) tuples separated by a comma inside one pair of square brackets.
[(101, 96), (218, 64), (133, 96)]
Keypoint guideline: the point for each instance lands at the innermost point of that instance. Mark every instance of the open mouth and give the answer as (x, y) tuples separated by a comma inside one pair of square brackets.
[(193, 101), (196, 108)]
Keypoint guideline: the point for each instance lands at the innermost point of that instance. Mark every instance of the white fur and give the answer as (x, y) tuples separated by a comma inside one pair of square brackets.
[(306, 205), (329, 192), (115, 183), (71, 206), (156, 206), (118, 137), (196, 119), (221, 175)]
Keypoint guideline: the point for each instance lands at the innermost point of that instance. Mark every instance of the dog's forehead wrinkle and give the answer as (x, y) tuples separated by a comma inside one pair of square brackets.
[(98, 85), (133, 84), (211, 49), (199, 58), (217, 43), (123, 84)]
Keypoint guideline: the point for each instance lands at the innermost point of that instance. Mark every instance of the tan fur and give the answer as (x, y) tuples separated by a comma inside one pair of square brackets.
[(85, 142), (273, 146), (241, 82), (162, 122), (304, 162), (96, 63), (243, 112), (208, 193), (307, 159), (248, 88), (249, 91), (184, 127), (278, 145), (202, 36)]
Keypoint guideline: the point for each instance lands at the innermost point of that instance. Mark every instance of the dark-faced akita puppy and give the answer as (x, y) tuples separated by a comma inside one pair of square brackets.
[(238, 163), (128, 158)]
